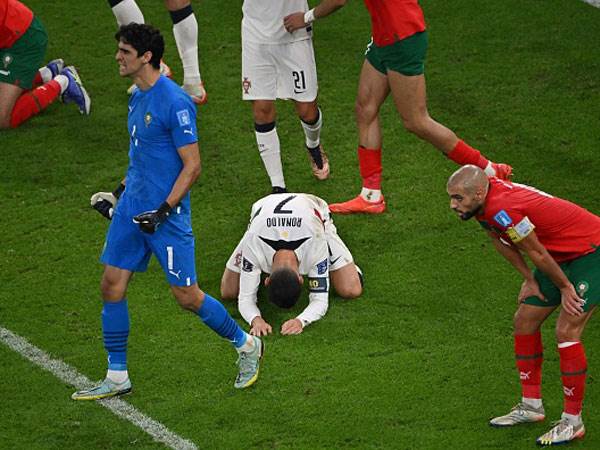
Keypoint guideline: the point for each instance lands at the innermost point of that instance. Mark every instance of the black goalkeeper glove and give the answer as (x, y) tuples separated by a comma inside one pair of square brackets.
[(149, 221), (105, 202)]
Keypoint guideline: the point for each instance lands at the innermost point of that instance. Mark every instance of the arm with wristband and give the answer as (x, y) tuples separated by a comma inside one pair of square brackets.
[(149, 221), (298, 20)]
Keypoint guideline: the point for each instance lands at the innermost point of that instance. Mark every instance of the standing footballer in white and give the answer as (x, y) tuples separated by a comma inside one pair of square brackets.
[(289, 235), (280, 64)]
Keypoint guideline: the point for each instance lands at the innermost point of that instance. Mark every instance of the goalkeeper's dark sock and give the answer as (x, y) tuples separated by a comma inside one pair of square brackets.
[(463, 154), (216, 317), (115, 330), (33, 102)]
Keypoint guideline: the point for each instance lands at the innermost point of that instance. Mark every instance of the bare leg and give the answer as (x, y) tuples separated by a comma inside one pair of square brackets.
[(9, 94), (410, 97), (346, 281), (373, 89), (114, 283)]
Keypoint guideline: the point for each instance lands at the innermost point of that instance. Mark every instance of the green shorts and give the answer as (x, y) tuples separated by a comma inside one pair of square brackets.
[(20, 63), (583, 272), (406, 56)]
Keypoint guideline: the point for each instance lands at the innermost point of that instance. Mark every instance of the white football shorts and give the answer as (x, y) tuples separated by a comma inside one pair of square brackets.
[(339, 254), (285, 71)]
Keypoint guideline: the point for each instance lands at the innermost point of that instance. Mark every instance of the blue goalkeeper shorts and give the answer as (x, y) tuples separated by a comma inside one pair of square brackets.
[(129, 248)]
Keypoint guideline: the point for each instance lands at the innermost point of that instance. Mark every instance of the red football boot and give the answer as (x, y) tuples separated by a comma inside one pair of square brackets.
[(358, 205)]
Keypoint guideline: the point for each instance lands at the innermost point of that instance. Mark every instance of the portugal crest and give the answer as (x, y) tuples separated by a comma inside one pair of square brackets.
[(246, 85)]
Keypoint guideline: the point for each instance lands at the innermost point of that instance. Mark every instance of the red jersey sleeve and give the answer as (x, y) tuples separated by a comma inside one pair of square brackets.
[(15, 19)]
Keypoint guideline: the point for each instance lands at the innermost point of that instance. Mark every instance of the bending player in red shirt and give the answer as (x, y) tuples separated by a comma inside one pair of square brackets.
[(394, 63), (563, 249), (25, 90)]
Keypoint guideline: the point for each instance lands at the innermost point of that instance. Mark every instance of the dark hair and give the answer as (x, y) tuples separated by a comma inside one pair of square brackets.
[(284, 288), (143, 38)]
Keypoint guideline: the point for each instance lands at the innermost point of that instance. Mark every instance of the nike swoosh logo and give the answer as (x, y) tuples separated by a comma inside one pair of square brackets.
[(331, 263), (5, 72), (188, 131), (298, 92)]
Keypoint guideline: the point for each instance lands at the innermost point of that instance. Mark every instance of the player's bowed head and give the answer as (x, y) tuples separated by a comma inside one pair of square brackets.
[(467, 188), (285, 282)]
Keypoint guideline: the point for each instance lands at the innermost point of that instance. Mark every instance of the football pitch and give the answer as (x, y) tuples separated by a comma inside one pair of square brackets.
[(422, 360)]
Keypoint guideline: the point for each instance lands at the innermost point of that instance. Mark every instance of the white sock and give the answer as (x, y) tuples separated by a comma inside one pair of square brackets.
[(128, 11), (313, 132), (63, 81), (489, 170), (46, 74), (533, 402), (567, 344), (117, 376), (186, 38), (269, 149), (248, 345), (573, 419), (370, 195)]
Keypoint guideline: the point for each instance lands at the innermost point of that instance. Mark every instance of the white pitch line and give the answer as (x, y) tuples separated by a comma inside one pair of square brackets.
[(595, 3), (71, 376)]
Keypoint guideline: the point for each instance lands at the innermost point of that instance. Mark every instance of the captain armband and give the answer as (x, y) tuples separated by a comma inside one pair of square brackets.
[(318, 284), (521, 230)]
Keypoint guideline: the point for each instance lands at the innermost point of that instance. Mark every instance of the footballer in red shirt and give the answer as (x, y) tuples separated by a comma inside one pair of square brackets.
[(561, 240), (394, 63), (26, 90)]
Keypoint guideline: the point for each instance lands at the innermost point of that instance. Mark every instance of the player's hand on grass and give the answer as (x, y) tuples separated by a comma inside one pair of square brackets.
[(571, 302), (530, 288), (294, 22), (260, 327), (105, 202), (292, 326), (149, 221)]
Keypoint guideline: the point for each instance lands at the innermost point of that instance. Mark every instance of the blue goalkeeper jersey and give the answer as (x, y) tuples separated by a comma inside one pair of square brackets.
[(160, 120)]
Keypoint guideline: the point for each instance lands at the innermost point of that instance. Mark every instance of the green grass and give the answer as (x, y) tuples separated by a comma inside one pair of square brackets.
[(422, 360)]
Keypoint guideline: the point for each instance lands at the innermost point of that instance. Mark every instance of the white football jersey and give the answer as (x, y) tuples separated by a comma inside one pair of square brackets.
[(286, 221), (263, 21)]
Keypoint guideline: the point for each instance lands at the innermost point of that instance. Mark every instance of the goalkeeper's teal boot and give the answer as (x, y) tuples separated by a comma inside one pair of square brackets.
[(107, 388), (249, 363)]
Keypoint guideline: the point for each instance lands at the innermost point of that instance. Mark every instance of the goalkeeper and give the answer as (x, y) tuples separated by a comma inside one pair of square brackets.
[(164, 164)]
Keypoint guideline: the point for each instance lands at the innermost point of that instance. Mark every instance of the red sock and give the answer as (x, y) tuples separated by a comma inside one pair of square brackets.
[(573, 367), (32, 102), (529, 353), (463, 153), (369, 161), (38, 81)]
